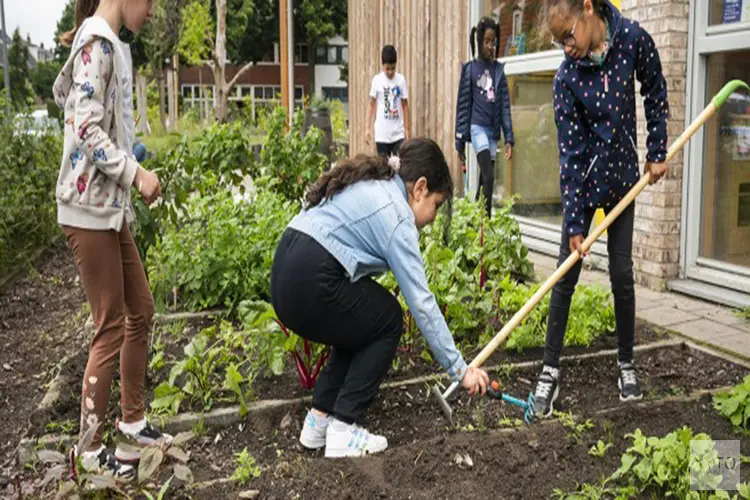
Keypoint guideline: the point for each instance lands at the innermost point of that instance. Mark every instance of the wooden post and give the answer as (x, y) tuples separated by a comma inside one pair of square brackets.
[(176, 69), (284, 56)]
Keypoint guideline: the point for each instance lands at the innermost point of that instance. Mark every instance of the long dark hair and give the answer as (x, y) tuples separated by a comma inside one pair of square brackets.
[(477, 34), (420, 157), (84, 10)]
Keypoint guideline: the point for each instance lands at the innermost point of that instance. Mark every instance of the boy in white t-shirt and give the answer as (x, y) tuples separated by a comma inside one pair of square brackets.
[(389, 96)]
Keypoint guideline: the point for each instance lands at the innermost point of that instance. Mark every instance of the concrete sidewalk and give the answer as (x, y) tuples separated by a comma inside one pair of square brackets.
[(702, 322)]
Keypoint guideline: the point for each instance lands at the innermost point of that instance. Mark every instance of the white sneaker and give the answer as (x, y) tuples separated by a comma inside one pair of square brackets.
[(344, 440), (313, 435)]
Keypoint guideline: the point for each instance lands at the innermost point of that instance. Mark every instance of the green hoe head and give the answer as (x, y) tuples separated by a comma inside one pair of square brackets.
[(721, 97)]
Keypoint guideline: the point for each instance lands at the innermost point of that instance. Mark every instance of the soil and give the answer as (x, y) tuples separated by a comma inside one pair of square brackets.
[(41, 321), (509, 462)]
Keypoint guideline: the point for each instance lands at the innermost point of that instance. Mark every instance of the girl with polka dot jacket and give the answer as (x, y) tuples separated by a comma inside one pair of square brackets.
[(595, 112)]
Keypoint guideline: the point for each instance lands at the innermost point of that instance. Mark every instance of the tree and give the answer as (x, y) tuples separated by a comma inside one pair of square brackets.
[(18, 62), (43, 78), (65, 24), (243, 39), (320, 20)]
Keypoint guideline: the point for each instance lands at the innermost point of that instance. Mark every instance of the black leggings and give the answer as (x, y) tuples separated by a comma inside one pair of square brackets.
[(361, 321), (620, 250)]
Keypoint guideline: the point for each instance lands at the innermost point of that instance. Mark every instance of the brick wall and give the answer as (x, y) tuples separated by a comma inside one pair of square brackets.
[(656, 238)]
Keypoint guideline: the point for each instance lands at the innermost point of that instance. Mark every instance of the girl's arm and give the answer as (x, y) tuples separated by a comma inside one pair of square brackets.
[(505, 117), (407, 265), (460, 139), (368, 119), (654, 92), (571, 145), (92, 70)]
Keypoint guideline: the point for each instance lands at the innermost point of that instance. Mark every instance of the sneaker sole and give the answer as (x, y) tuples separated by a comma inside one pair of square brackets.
[(127, 456), (312, 444), (350, 453), (552, 403), (625, 399)]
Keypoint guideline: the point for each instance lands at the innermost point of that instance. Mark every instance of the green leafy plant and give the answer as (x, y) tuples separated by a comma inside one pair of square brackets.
[(599, 449), (28, 211), (290, 160), (222, 251), (245, 467), (575, 430), (734, 404), (268, 347), (214, 368)]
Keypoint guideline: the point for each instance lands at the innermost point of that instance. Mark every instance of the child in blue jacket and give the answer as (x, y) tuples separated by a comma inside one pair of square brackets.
[(595, 110), (483, 106)]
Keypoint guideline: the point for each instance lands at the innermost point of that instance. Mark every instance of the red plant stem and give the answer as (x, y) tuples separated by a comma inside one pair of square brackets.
[(483, 271), (319, 365)]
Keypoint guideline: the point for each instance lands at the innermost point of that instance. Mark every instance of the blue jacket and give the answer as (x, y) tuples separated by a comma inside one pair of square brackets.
[(369, 228), (502, 120), (595, 113)]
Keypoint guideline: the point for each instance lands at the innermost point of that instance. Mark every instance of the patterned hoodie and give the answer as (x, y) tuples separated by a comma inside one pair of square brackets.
[(596, 125), (97, 170)]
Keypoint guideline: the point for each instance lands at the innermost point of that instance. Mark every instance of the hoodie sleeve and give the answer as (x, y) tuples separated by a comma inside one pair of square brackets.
[(654, 92), (571, 141), (463, 110), (505, 115), (92, 70)]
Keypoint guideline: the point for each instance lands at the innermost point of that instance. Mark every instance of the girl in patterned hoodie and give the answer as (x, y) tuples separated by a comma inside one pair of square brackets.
[(595, 110), (98, 169)]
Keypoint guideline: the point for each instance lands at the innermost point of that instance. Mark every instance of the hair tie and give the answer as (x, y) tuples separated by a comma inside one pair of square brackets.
[(395, 163)]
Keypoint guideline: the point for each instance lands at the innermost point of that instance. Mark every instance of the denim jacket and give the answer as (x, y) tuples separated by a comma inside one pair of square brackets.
[(370, 228)]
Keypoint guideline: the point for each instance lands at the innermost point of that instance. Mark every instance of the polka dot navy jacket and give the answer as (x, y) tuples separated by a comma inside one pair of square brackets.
[(595, 115)]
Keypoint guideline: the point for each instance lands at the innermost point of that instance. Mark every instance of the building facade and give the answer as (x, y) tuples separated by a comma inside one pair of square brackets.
[(692, 229)]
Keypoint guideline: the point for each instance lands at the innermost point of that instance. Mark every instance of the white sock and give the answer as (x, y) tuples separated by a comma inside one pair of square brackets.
[(133, 427), (92, 454), (338, 425), (320, 419), (555, 372)]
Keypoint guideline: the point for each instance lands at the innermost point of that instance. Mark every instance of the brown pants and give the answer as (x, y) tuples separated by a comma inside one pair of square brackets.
[(122, 307)]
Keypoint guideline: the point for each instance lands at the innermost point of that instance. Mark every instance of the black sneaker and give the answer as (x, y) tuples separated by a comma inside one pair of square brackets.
[(102, 463), (630, 389), (129, 451), (546, 392)]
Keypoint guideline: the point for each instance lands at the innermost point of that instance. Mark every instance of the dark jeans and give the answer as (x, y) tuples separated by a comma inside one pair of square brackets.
[(361, 321), (620, 250), (388, 148)]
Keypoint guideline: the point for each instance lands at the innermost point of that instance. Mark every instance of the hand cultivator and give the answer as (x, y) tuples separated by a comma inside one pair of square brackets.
[(494, 392), (719, 99)]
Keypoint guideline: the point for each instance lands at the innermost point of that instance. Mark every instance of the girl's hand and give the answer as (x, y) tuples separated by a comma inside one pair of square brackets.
[(148, 185), (368, 136), (475, 381), (657, 171), (508, 152), (576, 245)]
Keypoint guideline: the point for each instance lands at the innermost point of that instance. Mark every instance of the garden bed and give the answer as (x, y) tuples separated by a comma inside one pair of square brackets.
[(509, 460), (174, 335)]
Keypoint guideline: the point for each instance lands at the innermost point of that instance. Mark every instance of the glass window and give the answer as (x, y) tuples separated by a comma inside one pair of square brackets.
[(298, 92), (245, 90), (187, 91), (728, 12), (268, 93), (725, 218), (332, 55), (345, 54), (533, 172), (519, 28), (320, 54), (258, 92)]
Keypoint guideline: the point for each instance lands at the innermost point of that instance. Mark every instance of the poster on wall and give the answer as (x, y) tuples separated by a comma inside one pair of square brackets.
[(735, 11)]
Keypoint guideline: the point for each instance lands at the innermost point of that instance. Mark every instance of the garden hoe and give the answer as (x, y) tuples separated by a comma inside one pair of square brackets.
[(718, 100)]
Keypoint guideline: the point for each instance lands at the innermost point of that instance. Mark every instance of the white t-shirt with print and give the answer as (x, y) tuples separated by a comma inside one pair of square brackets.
[(389, 120)]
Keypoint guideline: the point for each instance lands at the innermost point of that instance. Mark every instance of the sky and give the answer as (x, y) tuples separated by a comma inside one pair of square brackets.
[(37, 18)]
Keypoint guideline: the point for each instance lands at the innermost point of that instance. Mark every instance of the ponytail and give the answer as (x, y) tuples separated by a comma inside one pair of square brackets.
[(360, 168), (84, 10), (417, 158)]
